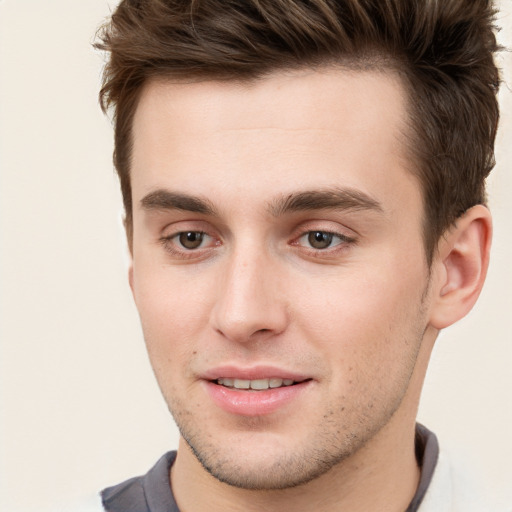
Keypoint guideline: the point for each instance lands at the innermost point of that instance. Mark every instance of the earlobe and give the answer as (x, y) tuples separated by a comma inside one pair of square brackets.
[(461, 266)]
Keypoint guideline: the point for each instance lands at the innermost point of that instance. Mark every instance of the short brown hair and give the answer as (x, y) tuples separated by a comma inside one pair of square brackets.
[(443, 49)]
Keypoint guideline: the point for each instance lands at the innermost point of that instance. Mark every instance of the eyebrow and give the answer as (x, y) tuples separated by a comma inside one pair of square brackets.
[(325, 199), (162, 199)]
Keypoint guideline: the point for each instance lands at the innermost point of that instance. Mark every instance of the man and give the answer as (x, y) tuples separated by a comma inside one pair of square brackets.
[(305, 208)]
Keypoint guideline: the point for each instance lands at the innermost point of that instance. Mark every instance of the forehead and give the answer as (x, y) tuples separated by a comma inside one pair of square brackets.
[(294, 99), (310, 127)]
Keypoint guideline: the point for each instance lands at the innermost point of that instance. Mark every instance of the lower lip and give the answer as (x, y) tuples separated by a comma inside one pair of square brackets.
[(253, 403)]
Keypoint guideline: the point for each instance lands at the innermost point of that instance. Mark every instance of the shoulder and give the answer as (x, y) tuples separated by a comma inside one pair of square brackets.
[(454, 489), (151, 491)]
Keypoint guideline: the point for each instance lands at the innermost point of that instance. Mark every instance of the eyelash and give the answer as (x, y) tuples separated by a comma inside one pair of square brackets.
[(170, 244), (343, 243)]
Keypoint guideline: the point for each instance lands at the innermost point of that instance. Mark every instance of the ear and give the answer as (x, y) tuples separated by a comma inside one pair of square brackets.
[(128, 229), (460, 267), (130, 274)]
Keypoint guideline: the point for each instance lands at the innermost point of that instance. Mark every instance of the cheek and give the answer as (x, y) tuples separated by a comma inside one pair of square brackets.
[(368, 322), (173, 311)]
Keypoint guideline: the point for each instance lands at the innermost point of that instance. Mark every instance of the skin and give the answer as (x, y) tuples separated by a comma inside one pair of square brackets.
[(258, 168)]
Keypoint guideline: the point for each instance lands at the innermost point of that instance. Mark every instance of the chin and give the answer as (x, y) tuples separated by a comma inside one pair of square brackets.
[(267, 461)]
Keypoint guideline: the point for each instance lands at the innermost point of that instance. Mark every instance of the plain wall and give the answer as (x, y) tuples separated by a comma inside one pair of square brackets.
[(79, 408)]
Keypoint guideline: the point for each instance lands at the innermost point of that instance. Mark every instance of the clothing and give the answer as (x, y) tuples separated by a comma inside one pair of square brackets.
[(441, 487)]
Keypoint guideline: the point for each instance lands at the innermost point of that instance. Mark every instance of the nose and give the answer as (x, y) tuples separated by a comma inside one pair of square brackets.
[(250, 304)]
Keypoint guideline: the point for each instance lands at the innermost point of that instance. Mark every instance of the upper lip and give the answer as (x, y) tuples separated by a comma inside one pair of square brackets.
[(252, 373)]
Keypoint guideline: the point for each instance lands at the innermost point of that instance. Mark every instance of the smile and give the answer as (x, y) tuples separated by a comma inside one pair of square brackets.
[(255, 397), (256, 384)]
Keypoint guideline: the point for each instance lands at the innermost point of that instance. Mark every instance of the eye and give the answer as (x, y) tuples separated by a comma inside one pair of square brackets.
[(190, 239), (319, 239), (322, 239), (188, 244)]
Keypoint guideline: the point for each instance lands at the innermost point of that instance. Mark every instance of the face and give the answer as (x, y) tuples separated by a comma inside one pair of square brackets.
[(278, 267)]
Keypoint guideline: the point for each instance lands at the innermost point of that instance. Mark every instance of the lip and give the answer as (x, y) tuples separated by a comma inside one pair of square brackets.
[(250, 402), (252, 373)]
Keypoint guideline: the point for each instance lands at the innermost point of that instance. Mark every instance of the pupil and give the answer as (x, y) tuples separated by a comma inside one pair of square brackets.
[(319, 239), (191, 239)]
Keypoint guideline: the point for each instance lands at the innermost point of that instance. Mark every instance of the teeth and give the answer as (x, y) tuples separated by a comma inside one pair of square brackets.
[(242, 384), (257, 384), (275, 383)]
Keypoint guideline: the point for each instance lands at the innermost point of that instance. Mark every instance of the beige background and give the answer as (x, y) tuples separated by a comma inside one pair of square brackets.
[(79, 407)]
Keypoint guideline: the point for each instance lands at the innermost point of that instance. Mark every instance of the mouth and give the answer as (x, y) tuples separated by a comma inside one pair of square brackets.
[(256, 384), (255, 397), (255, 391)]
